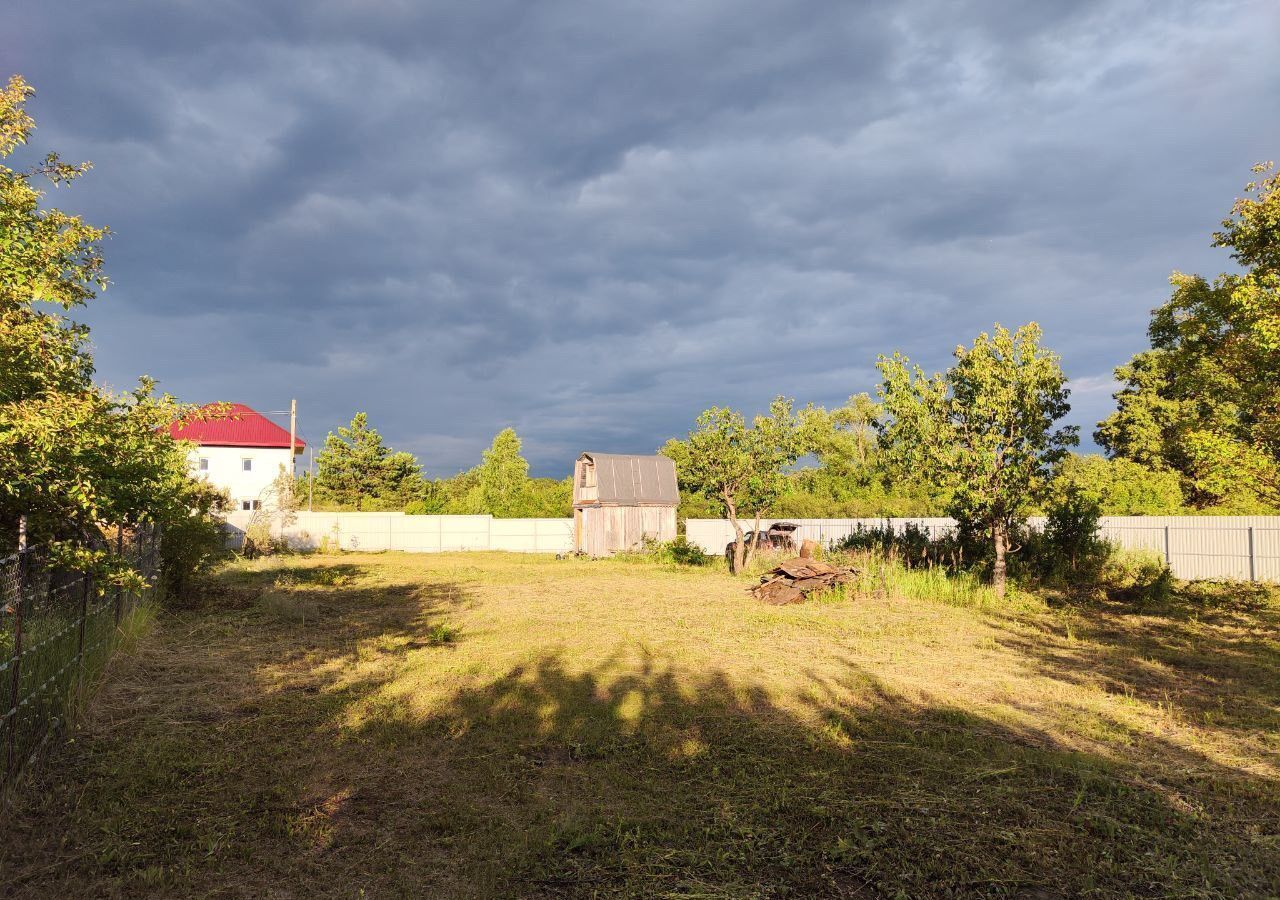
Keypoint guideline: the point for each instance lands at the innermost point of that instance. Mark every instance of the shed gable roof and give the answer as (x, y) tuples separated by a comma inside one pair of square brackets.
[(628, 478)]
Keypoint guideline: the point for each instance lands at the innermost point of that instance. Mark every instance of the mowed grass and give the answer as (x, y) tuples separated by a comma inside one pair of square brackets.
[(490, 725)]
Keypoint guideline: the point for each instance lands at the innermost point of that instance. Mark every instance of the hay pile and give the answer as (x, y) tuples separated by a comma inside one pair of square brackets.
[(793, 580)]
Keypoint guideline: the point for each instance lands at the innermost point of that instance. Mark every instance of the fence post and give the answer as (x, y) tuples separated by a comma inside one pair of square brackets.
[(1253, 565), (119, 553), (84, 616), (19, 592), (140, 561), (1168, 555), (157, 561)]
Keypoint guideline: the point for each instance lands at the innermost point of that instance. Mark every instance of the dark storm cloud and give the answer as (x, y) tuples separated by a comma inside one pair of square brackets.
[(590, 221)]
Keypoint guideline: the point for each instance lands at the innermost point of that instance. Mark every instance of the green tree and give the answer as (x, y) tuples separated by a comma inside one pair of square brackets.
[(402, 481), (1204, 401), (1120, 487), (356, 469), (549, 498), (73, 457), (985, 429), (742, 467), (843, 439), (849, 480), (504, 475)]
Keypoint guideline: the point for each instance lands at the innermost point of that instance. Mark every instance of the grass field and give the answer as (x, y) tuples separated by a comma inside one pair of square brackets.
[(489, 725)]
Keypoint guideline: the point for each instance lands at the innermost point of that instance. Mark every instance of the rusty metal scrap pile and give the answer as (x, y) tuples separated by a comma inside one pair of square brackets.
[(794, 580)]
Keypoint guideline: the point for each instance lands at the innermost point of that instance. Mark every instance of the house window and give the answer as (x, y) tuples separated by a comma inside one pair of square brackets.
[(250, 505), (246, 465), (204, 464)]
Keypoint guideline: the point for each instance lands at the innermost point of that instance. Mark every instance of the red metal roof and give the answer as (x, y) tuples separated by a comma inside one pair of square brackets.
[(235, 425)]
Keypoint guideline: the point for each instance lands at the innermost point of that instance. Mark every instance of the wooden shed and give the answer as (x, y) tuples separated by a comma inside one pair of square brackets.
[(619, 500)]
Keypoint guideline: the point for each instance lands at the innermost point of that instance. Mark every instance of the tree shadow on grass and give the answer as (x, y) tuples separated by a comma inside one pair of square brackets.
[(633, 776), (1212, 666), (648, 780)]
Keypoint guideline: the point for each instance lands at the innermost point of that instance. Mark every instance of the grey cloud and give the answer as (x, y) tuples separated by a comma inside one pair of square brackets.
[(592, 221)]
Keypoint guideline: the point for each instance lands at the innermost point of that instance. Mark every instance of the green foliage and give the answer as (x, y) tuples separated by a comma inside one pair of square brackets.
[(547, 498), (849, 480), (1135, 576), (842, 439), (985, 429), (503, 475), (442, 635), (1071, 546), (192, 544), (1204, 401), (1120, 486), (75, 458), (511, 493), (739, 466), (822, 492), (678, 552), (356, 470), (888, 574), (913, 546), (672, 554)]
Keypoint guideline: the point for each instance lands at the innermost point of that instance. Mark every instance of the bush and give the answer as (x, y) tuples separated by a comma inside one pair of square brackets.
[(678, 552), (887, 575), (190, 546), (260, 541), (1135, 576), (1069, 547), (916, 547)]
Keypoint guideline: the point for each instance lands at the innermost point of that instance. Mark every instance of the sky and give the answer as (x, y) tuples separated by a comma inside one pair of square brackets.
[(591, 221)]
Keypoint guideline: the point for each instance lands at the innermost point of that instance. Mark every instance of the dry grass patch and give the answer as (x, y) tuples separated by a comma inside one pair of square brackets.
[(499, 725)]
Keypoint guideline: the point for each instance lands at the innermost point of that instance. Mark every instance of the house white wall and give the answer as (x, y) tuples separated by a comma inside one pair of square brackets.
[(225, 468)]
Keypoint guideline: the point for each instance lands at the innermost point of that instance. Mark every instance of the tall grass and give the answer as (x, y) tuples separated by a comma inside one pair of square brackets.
[(66, 648), (884, 574)]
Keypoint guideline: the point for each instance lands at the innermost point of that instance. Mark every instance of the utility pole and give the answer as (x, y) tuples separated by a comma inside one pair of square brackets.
[(293, 430), (311, 477)]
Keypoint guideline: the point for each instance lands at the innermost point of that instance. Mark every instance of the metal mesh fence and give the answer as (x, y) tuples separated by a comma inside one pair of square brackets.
[(58, 629)]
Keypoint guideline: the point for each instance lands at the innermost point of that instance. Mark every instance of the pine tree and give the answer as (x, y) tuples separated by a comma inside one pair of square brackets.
[(352, 465)]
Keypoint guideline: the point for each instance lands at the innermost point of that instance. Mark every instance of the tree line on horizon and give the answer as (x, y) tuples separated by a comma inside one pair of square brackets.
[(355, 470)]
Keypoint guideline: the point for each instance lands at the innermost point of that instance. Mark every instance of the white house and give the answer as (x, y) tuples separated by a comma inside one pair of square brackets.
[(239, 450)]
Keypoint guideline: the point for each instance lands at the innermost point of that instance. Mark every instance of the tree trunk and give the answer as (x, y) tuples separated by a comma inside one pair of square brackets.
[(738, 562), (755, 542), (1000, 571)]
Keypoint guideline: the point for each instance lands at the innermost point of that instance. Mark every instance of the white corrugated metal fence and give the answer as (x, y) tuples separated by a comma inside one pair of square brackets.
[(418, 534), (1242, 548)]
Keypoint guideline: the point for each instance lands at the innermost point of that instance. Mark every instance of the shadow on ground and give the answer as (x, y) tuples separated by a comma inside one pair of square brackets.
[(631, 777), (1210, 664)]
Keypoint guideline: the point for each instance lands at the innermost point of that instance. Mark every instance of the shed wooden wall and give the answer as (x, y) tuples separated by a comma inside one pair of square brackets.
[(602, 530), (585, 487)]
